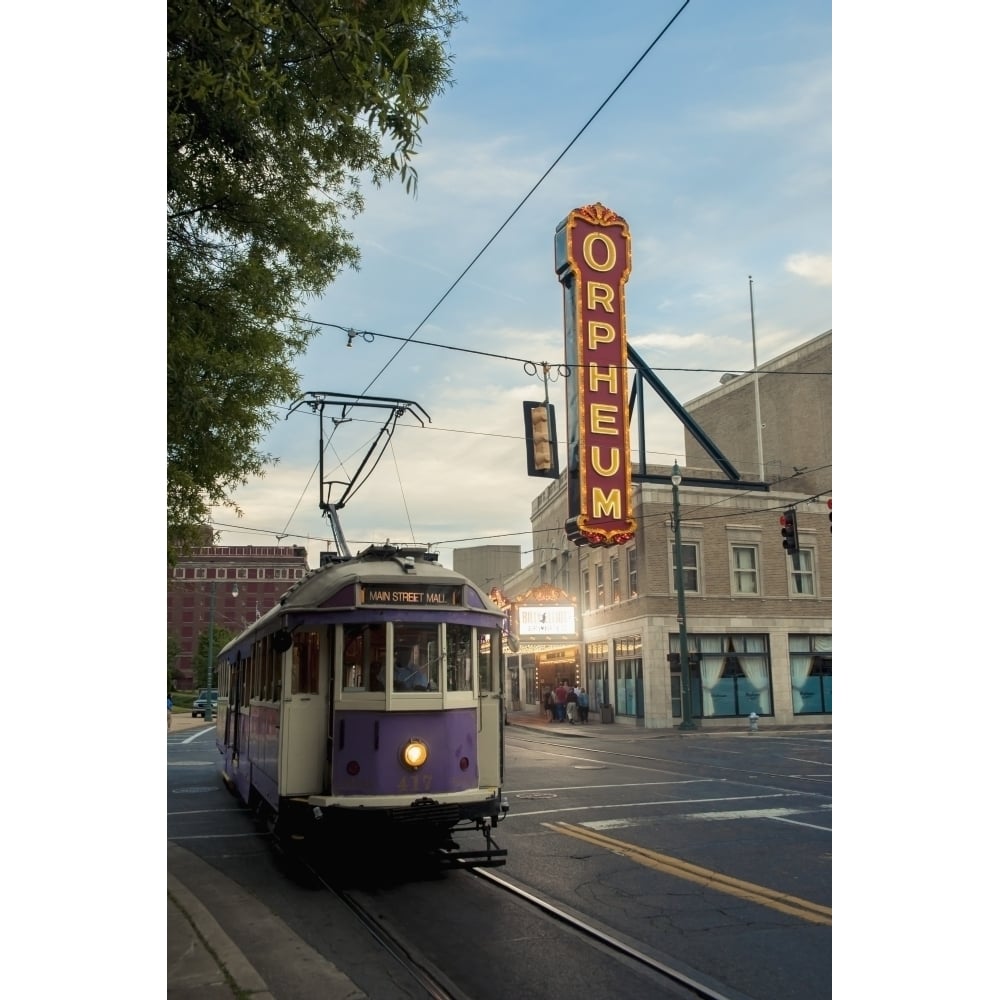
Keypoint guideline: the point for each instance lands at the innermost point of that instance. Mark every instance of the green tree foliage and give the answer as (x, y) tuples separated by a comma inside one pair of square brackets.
[(173, 651), (220, 637), (276, 111)]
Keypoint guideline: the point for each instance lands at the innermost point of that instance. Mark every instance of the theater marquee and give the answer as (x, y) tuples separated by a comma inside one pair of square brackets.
[(593, 262)]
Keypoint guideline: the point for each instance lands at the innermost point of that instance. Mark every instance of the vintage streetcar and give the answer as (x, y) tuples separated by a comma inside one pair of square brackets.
[(364, 713)]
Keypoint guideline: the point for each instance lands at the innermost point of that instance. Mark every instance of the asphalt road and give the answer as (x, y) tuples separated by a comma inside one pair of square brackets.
[(690, 848)]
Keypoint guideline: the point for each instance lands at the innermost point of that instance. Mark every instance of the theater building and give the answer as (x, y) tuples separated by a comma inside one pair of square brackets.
[(758, 621)]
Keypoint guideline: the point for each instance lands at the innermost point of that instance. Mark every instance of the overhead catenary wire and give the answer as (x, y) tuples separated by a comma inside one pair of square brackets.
[(533, 189), (370, 335)]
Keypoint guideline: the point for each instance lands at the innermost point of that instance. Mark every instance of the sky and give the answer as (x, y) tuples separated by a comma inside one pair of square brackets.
[(716, 150)]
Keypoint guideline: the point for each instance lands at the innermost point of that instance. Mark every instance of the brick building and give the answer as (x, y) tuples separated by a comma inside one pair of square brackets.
[(759, 622), (201, 586), (487, 565)]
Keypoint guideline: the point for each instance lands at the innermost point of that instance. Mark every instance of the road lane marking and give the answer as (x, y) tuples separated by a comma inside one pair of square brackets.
[(804, 909), (637, 805)]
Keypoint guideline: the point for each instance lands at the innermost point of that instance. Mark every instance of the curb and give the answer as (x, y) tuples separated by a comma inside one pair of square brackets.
[(231, 960)]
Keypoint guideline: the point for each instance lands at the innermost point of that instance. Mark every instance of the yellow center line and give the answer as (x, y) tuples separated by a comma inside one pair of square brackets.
[(781, 901)]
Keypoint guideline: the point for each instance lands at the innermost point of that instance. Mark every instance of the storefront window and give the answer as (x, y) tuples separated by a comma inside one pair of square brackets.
[(810, 660), (730, 675), (628, 675), (597, 674)]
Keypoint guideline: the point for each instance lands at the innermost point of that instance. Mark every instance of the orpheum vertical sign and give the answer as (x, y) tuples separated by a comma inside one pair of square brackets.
[(593, 262)]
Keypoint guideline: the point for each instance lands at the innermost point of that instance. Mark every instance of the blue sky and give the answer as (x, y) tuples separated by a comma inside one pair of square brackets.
[(717, 152)]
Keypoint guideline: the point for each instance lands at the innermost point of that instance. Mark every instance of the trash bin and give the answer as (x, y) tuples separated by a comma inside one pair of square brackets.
[(607, 713)]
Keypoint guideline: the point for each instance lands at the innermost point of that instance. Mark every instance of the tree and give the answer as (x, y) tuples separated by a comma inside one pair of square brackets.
[(220, 637), (276, 110), (173, 651)]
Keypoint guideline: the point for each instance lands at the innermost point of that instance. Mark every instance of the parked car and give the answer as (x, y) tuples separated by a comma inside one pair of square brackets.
[(201, 702)]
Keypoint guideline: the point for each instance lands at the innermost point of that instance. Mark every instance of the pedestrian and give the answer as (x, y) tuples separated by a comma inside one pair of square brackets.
[(549, 703), (561, 692), (583, 705), (170, 711), (572, 701)]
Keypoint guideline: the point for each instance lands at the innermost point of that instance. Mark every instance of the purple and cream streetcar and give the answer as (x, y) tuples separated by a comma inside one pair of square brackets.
[(367, 704)]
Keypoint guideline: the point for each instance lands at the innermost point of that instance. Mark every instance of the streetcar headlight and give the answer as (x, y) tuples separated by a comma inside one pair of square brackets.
[(414, 754)]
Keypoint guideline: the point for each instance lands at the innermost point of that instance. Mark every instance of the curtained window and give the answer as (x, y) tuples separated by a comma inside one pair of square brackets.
[(745, 569), (730, 674), (810, 661)]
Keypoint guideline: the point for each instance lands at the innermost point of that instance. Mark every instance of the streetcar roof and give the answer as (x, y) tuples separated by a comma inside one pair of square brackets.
[(387, 564)]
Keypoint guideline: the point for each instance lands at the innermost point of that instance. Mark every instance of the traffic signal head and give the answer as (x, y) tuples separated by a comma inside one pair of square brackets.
[(789, 531), (539, 431)]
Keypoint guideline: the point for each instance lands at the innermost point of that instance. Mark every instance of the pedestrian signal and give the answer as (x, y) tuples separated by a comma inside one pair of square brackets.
[(789, 532), (540, 439)]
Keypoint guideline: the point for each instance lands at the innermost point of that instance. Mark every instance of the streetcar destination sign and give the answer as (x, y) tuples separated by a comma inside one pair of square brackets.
[(419, 594)]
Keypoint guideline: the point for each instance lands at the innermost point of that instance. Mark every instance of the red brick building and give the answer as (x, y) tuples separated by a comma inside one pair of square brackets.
[(260, 574)]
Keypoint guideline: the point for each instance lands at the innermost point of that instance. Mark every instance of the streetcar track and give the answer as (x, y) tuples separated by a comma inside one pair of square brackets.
[(439, 986), (698, 989)]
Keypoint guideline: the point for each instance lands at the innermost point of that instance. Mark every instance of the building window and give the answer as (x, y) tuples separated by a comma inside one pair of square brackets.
[(800, 565), (689, 566), (543, 571), (599, 581), (616, 583), (261, 574), (200, 573), (730, 674), (179, 572), (810, 661), (299, 574), (221, 572), (281, 573), (628, 676), (596, 669), (745, 569), (633, 572), (586, 589), (241, 574)]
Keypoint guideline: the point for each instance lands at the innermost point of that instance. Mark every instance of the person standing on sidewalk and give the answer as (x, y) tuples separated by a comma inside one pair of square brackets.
[(572, 703), (561, 692), (583, 705), (170, 711)]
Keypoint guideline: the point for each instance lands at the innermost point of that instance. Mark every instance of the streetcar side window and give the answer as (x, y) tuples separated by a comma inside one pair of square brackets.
[(459, 656), (305, 663), (489, 647), (364, 659)]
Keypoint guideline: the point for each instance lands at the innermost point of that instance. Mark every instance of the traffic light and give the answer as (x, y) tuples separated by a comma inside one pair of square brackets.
[(540, 438), (789, 531)]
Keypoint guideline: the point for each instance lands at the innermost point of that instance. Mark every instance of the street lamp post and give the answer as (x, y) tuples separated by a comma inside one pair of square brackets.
[(687, 723), (211, 641)]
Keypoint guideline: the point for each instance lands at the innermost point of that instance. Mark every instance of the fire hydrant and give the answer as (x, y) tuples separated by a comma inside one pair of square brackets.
[(753, 722)]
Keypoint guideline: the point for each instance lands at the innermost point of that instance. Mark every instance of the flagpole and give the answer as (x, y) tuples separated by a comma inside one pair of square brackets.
[(756, 387)]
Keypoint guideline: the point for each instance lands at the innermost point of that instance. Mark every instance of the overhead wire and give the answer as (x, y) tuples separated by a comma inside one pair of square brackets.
[(533, 189)]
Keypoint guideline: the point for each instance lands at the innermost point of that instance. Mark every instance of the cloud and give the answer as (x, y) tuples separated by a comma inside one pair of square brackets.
[(815, 268)]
